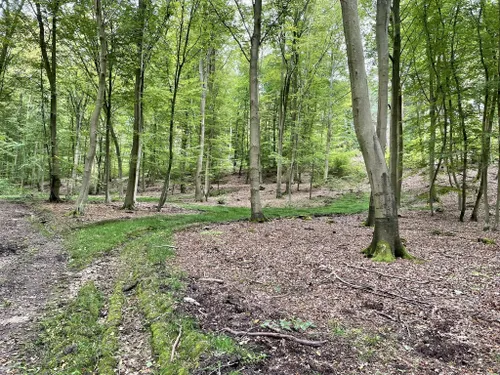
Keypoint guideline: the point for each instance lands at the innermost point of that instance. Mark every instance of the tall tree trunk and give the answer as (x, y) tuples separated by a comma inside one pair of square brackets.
[(51, 71), (94, 120), (130, 196), (386, 243), (382, 39), (256, 207), (181, 55), (395, 102), (109, 118), (487, 125), (497, 206), (198, 195)]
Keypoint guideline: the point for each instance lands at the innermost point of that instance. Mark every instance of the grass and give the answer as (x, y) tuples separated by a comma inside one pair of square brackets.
[(87, 243), (143, 246), (69, 339)]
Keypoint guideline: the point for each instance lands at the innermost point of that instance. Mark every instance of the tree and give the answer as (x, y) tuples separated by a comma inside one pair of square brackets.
[(386, 243), (94, 120), (382, 39), (50, 65)]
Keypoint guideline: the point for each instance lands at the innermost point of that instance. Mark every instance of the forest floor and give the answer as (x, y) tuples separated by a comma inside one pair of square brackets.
[(298, 279)]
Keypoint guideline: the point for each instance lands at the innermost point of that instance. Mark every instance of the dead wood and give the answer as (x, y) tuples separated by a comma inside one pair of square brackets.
[(176, 343), (277, 335), (211, 280), (388, 275), (382, 293)]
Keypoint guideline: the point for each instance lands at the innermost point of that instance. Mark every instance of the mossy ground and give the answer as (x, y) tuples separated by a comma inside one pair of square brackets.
[(144, 246)]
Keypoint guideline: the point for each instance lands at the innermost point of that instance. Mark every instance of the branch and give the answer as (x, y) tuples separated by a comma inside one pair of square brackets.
[(388, 275), (277, 336), (176, 343), (383, 293), (230, 30)]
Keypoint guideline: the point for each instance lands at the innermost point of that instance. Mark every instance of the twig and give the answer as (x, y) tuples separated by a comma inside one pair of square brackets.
[(170, 246), (211, 280), (277, 336), (383, 293), (388, 275), (176, 343), (386, 316)]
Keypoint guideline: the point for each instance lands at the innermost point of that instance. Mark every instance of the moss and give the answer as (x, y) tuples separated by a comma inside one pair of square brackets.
[(69, 338), (383, 253), (109, 342)]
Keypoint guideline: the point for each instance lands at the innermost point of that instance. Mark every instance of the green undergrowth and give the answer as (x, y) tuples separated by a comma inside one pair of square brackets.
[(95, 240), (69, 339), (143, 246), (109, 342)]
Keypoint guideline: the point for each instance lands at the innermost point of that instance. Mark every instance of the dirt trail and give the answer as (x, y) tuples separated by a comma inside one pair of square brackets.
[(30, 267)]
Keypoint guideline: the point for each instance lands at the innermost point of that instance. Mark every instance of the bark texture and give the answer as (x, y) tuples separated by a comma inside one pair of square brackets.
[(256, 207), (386, 243)]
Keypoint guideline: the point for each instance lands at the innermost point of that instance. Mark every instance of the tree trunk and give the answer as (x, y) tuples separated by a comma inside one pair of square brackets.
[(395, 102), (386, 243), (382, 39), (497, 206), (94, 120), (256, 207), (51, 70), (198, 195), (130, 196)]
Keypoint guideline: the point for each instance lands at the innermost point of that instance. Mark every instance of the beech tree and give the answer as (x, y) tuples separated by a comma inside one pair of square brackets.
[(386, 243), (94, 120)]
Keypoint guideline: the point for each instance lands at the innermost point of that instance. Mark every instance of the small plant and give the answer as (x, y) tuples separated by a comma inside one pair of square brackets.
[(487, 241), (295, 324), (221, 200)]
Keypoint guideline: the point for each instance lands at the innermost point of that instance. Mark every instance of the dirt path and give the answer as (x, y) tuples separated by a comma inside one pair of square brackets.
[(30, 266)]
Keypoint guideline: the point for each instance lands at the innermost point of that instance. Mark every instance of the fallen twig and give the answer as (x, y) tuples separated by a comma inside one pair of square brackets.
[(211, 280), (383, 293), (276, 336), (176, 344), (128, 288), (170, 246), (388, 275)]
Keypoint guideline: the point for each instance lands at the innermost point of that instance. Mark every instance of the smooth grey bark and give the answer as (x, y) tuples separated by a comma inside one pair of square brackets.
[(130, 195), (255, 204), (50, 65), (382, 40), (386, 243), (198, 194), (94, 120)]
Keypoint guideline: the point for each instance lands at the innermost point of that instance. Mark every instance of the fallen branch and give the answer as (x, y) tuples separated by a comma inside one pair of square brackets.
[(211, 280), (383, 293), (388, 275), (176, 344), (276, 336), (170, 246)]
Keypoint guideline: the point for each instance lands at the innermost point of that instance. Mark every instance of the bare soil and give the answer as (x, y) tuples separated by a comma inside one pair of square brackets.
[(31, 265)]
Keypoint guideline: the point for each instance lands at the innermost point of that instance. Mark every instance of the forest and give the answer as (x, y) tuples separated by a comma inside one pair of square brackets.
[(249, 187)]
